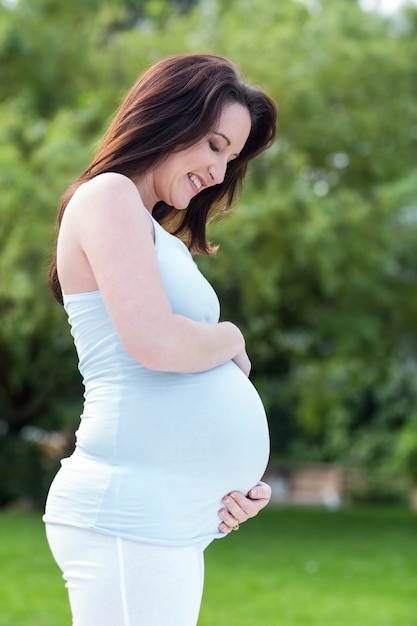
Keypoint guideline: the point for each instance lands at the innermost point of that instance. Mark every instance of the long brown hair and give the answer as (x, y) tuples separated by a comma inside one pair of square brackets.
[(173, 105)]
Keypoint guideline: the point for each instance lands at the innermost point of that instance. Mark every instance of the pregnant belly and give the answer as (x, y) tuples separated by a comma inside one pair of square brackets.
[(210, 425), (181, 443), (217, 429)]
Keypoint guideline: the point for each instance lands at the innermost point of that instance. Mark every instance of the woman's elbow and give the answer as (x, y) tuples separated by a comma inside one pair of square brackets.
[(152, 356)]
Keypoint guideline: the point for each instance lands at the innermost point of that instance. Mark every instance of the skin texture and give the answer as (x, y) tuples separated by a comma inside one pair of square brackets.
[(239, 508), (116, 226), (207, 161)]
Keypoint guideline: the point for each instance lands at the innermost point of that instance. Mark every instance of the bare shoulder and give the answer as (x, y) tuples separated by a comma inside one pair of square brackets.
[(108, 189), (111, 201)]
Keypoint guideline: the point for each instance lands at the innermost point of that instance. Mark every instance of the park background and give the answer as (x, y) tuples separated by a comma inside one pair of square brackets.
[(317, 262)]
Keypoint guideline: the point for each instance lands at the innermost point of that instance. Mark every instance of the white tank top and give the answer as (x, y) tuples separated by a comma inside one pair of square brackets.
[(156, 451)]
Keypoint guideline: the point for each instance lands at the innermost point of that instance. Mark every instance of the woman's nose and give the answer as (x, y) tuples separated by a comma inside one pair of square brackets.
[(217, 172)]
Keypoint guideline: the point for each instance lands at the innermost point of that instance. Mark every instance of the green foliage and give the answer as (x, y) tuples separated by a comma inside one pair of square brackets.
[(26, 472), (317, 262)]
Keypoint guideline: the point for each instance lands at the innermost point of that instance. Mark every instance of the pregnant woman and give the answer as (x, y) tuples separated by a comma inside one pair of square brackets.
[(173, 439)]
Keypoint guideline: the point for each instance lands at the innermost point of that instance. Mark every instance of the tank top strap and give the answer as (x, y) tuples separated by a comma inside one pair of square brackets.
[(153, 220)]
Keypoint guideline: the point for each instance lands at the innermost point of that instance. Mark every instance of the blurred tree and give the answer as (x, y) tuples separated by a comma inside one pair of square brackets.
[(317, 262)]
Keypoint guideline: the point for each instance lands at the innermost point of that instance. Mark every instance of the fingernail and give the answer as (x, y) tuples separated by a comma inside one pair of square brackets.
[(227, 500), (253, 493)]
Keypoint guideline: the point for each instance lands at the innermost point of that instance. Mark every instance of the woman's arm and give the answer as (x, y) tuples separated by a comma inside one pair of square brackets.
[(107, 225)]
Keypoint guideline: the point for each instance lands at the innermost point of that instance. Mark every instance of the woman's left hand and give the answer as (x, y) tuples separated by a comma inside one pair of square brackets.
[(239, 508)]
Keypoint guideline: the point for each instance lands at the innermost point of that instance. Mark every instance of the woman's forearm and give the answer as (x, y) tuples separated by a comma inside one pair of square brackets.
[(185, 346)]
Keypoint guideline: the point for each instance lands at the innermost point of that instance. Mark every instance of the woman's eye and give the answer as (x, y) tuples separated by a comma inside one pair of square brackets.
[(213, 147)]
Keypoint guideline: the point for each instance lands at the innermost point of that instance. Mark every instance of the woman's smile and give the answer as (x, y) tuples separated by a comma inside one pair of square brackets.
[(196, 182), (184, 174)]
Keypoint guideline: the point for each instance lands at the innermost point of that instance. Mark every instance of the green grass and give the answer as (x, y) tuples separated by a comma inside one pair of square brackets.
[(286, 568), (32, 592)]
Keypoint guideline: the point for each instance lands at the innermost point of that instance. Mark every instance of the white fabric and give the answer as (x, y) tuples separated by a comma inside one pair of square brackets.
[(157, 451), (113, 581)]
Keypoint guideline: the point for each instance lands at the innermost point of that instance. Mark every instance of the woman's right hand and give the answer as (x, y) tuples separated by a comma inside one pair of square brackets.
[(243, 362)]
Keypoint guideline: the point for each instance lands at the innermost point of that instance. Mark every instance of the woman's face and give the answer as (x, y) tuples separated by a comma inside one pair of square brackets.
[(184, 174)]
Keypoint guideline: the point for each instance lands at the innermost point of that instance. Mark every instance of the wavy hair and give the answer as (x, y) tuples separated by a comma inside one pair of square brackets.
[(173, 105)]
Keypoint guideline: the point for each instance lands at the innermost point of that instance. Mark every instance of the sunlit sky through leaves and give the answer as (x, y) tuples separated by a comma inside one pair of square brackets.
[(384, 6)]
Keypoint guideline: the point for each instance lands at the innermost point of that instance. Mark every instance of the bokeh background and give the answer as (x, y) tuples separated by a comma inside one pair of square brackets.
[(317, 262)]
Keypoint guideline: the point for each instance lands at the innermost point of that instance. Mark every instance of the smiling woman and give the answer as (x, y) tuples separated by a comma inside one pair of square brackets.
[(183, 174), (173, 439)]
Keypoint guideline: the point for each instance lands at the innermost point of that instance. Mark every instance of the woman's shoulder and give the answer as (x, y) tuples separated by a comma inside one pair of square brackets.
[(107, 183), (109, 194)]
